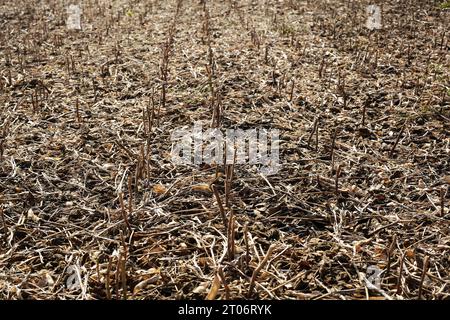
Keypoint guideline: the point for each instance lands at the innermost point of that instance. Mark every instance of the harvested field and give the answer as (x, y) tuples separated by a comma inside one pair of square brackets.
[(93, 207)]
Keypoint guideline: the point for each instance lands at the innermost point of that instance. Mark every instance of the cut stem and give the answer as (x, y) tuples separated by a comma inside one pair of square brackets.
[(396, 141)]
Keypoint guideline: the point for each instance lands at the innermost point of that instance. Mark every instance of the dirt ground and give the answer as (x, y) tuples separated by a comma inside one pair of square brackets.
[(92, 206)]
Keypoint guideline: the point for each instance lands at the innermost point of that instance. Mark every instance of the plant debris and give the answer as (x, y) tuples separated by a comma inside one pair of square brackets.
[(92, 207)]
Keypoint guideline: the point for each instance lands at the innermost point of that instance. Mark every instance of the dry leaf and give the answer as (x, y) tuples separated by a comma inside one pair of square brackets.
[(380, 252), (108, 166), (410, 253), (214, 289), (141, 285), (21, 220), (157, 249), (201, 288), (357, 248), (159, 189), (204, 187), (32, 216), (203, 261), (45, 279)]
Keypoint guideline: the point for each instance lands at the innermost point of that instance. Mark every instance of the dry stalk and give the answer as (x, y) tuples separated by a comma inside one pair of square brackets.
[(231, 236), (150, 114), (266, 54), (336, 180), (221, 208), (123, 272), (365, 105), (140, 167), (422, 278), (399, 279), (291, 93), (224, 282), (77, 110), (144, 122), (247, 248), (166, 52), (258, 268), (124, 213), (130, 197), (108, 279), (333, 144), (2, 148), (229, 176), (314, 129), (397, 140), (2, 215), (341, 89), (321, 67), (390, 251), (117, 277)]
